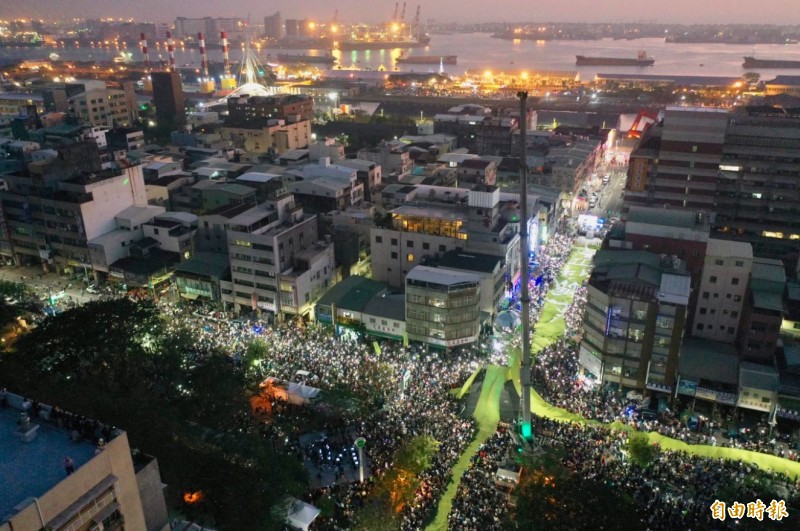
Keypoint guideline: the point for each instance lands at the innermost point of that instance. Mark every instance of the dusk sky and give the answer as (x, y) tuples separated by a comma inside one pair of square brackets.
[(686, 11)]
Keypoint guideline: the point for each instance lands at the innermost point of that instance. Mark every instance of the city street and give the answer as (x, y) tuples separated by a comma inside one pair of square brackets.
[(46, 283)]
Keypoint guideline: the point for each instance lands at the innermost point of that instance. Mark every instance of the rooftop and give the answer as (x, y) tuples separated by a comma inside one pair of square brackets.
[(37, 466), (207, 264), (257, 177), (729, 249), (388, 305), (709, 360), (442, 277), (352, 293), (758, 376), (438, 212), (483, 263), (662, 216)]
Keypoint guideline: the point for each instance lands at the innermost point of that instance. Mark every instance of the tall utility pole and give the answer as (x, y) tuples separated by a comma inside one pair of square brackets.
[(526, 430)]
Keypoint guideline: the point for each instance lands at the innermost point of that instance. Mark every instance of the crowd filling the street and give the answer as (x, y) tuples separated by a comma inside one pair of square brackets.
[(389, 393)]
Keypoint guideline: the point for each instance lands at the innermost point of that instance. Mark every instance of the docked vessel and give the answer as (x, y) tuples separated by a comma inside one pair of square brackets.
[(305, 59), (752, 62), (641, 60), (428, 59), (22, 40), (380, 44)]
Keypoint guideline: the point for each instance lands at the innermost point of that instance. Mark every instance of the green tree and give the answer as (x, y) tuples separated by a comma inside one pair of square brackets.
[(640, 450), (551, 498)]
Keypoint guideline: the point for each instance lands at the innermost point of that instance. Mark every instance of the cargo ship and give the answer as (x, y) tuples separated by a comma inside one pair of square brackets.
[(428, 59), (22, 40), (752, 62), (641, 60), (380, 44), (305, 59)]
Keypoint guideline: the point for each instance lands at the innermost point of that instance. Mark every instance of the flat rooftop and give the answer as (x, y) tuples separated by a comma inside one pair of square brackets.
[(37, 466)]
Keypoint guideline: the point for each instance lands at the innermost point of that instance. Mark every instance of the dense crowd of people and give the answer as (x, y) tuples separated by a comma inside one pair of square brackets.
[(480, 503), (676, 489)]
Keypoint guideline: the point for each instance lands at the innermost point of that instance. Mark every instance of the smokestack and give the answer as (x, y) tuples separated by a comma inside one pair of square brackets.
[(201, 42), (171, 51), (225, 56), (143, 44)]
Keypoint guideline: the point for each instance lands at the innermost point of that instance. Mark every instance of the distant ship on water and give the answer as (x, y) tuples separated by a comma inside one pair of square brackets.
[(428, 59), (752, 62), (641, 60)]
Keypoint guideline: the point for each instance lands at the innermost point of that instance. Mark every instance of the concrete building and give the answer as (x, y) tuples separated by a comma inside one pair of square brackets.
[(278, 262), (100, 105), (274, 135), (168, 98), (783, 85), (200, 276), (757, 196), (634, 319), (427, 229), (723, 288), (108, 489), (249, 109), (676, 165), (758, 387), (52, 211), (390, 156), (358, 303), (708, 371), (490, 269), (273, 26), (326, 187), (442, 307), (762, 313)]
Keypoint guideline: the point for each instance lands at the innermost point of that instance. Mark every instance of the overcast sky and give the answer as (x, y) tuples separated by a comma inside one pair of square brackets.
[(686, 11)]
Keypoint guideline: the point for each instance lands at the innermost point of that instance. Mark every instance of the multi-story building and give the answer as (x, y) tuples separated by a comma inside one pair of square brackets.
[(723, 287), (677, 164), (634, 319), (168, 98), (188, 28), (104, 488), (278, 262), (391, 157), (273, 26), (250, 109), (758, 198), (273, 135), (442, 307), (99, 105), (57, 205), (763, 309), (326, 187)]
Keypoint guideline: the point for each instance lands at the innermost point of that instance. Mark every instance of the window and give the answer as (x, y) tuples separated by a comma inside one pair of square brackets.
[(394, 256), (716, 295), (410, 257), (702, 311), (718, 262), (394, 241), (410, 244), (426, 246), (694, 149), (730, 329), (699, 326), (734, 313), (739, 263), (737, 298), (442, 249), (735, 281), (378, 239), (713, 279), (705, 294)]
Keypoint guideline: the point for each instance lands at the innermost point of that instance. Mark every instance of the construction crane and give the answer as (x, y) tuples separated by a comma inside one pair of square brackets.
[(403, 14), (396, 7), (416, 18), (335, 16)]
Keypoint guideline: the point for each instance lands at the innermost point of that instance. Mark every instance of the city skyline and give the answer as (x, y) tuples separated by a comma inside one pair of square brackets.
[(677, 11)]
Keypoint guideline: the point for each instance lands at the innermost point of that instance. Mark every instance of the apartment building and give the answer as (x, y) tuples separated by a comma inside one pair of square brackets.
[(442, 307), (100, 105), (107, 489), (54, 207), (723, 289), (634, 319), (424, 230)]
